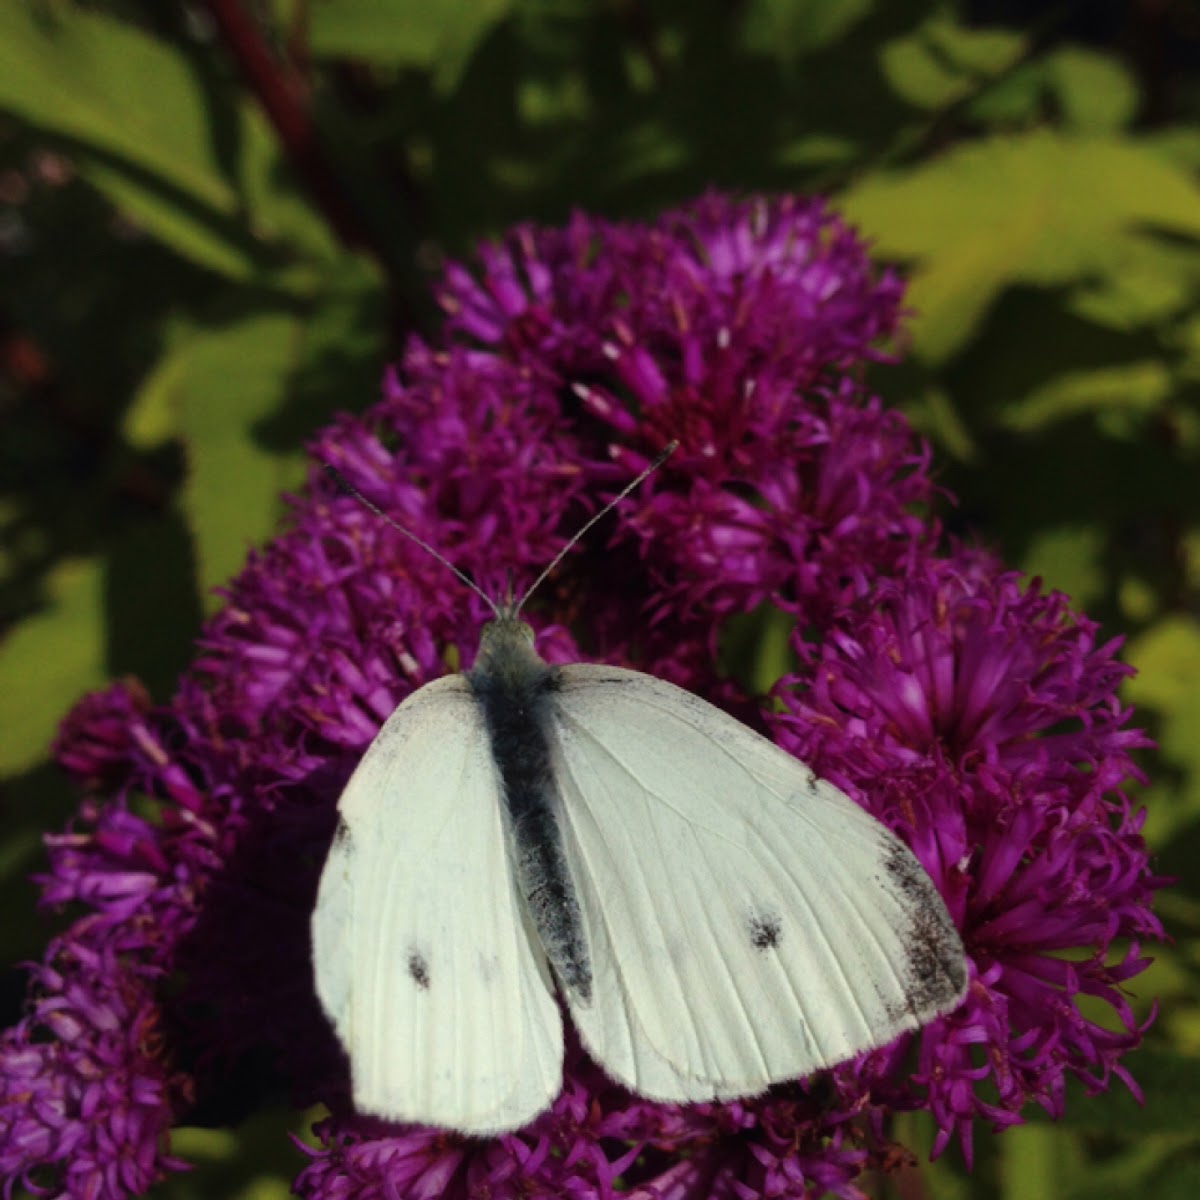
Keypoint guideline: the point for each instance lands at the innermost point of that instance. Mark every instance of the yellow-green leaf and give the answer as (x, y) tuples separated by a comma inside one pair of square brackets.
[(90, 77), (1068, 558), (1130, 388), (411, 33), (1038, 209), (1167, 657), (1094, 91), (232, 379), (48, 661), (786, 29), (941, 62)]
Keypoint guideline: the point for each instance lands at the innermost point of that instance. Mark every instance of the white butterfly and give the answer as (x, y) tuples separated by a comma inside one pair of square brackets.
[(716, 918)]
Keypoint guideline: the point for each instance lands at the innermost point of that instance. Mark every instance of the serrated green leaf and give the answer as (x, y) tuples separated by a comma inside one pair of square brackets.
[(1137, 387), (410, 33), (48, 661), (1038, 209), (1094, 91), (233, 379)]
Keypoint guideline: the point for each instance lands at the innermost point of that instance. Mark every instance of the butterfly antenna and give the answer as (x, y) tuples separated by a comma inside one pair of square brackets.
[(664, 454), (346, 486)]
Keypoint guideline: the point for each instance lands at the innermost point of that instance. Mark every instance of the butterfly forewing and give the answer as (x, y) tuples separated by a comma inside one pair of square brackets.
[(747, 922), (424, 960)]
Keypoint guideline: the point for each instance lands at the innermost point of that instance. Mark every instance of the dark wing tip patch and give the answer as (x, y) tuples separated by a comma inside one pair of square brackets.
[(341, 835), (765, 928), (418, 969), (937, 965)]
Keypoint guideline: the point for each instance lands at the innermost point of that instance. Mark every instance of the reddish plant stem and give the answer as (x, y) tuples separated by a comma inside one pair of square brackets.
[(283, 94)]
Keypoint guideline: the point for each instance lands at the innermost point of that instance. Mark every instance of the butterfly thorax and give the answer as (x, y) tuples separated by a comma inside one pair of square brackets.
[(507, 657), (515, 690)]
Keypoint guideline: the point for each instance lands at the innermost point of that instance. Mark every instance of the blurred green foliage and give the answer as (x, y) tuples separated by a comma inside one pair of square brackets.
[(189, 289)]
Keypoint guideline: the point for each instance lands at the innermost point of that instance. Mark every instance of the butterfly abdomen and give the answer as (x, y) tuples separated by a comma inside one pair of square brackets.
[(514, 688)]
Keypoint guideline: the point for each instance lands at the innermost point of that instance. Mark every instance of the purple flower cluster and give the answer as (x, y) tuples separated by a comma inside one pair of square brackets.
[(974, 715)]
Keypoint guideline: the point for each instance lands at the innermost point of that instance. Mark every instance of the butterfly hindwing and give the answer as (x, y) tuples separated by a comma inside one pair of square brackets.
[(424, 959), (747, 922)]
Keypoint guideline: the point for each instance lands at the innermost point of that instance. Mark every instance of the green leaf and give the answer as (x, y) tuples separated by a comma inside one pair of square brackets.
[(1070, 559), (339, 359), (1130, 388), (1133, 1173), (231, 381), (787, 29), (756, 649), (1038, 1162), (405, 33), (195, 167), (1179, 1180), (935, 415), (1095, 93), (254, 1162), (152, 418), (88, 76), (1167, 658), (1015, 100), (1178, 858), (1037, 209), (48, 661), (208, 238), (1147, 280), (940, 1179), (276, 208), (941, 62), (1176, 144)]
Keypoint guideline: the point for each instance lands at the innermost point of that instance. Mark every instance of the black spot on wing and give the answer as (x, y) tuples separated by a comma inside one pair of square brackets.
[(418, 969), (341, 835), (937, 969), (765, 929)]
